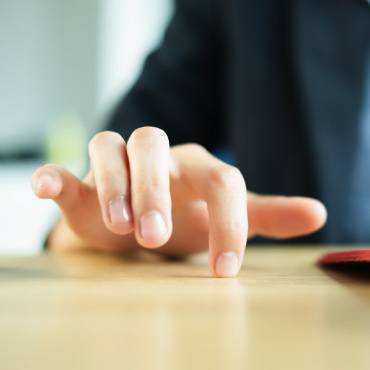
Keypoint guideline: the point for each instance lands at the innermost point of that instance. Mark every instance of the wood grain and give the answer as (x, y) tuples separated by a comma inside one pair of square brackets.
[(104, 312)]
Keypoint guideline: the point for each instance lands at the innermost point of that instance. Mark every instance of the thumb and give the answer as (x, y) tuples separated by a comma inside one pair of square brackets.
[(284, 217), (56, 183), (79, 205)]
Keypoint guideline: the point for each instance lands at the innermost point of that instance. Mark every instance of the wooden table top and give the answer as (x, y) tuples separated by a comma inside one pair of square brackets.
[(104, 312)]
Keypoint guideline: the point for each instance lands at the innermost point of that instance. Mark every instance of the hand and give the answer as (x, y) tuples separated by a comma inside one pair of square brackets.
[(179, 200)]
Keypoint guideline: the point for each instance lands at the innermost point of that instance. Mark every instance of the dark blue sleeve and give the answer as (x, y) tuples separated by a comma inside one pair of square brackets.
[(180, 87)]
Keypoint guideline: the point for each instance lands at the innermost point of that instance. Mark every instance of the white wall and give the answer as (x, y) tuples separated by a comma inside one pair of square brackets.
[(48, 66), (128, 31), (69, 57)]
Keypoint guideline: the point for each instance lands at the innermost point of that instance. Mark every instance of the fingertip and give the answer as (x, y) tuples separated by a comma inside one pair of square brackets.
[(286, 217), (153, 231), (227, 265), (118, 217), (319, 214), (152, 242), (46, 184), (305, 216), (120, 228)]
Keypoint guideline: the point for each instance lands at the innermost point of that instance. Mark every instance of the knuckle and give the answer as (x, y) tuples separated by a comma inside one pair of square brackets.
[(104, 181), (194, 148), (236, 226), (104, 138), (225, 176), (155, 185), (149, 133)]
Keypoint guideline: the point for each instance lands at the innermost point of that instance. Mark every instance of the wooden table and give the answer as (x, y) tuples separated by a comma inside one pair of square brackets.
[(102, 312)]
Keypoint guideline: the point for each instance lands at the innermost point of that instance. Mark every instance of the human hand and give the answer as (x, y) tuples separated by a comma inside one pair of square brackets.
[(178, 200)]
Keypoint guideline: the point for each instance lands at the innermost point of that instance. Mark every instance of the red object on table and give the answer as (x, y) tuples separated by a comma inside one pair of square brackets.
[(353, 256)]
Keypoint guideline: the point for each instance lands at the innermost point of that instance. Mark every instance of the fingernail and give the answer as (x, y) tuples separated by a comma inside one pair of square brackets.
[(152, 225), (119, 210), (44, 181), (227, 264)]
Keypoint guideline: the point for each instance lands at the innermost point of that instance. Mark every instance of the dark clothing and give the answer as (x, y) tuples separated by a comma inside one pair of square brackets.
[(282, 84)]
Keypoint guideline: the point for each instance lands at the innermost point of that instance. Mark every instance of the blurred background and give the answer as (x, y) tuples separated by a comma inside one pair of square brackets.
[(63, 65)]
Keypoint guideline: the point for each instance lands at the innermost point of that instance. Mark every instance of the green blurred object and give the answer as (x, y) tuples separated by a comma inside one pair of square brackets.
[(66, 143)]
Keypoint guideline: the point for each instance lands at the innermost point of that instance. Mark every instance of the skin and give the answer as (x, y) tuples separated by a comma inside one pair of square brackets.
[(203, 202)]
